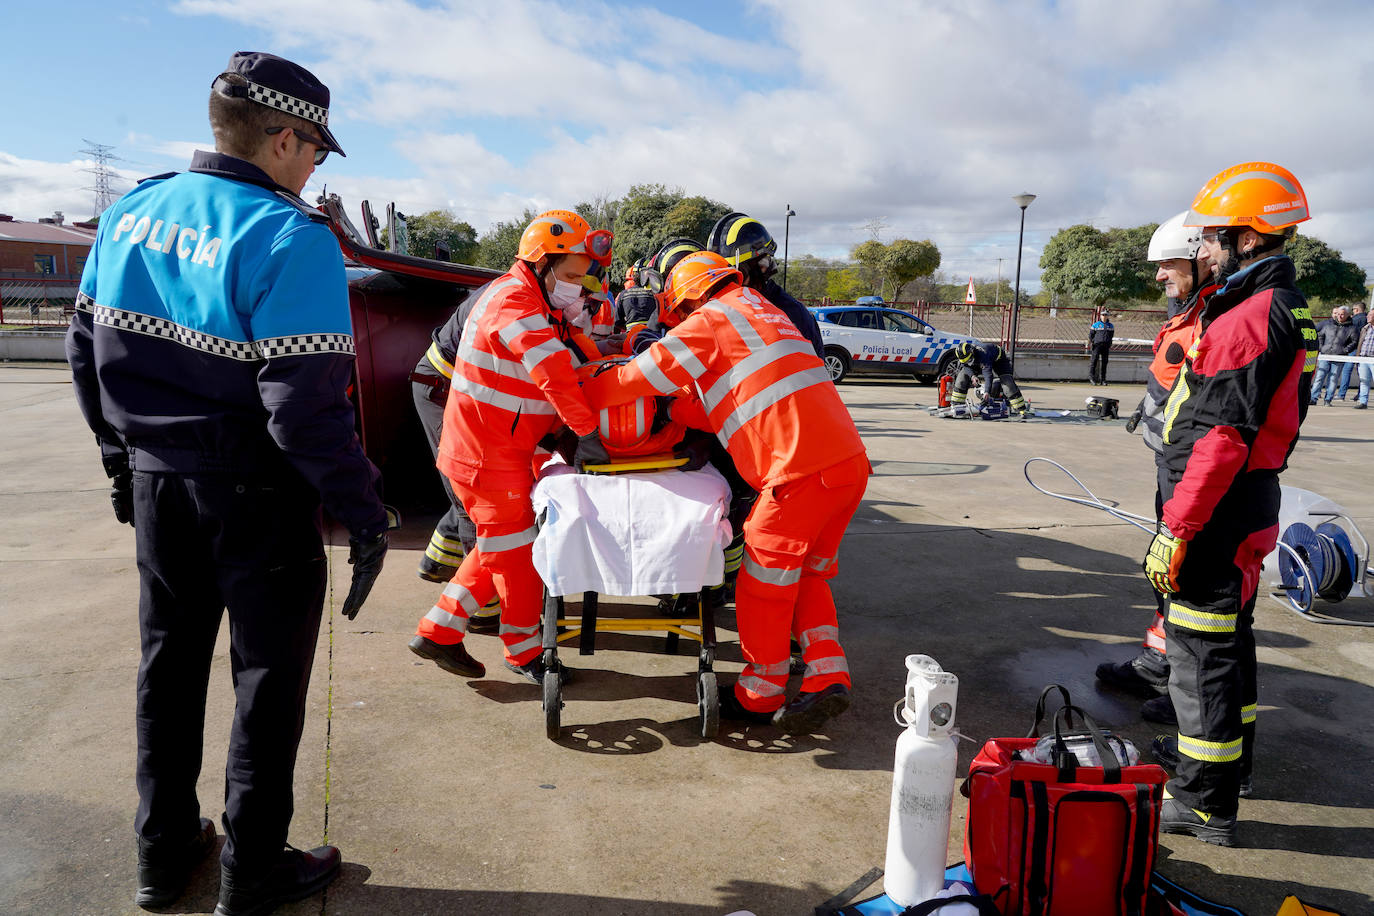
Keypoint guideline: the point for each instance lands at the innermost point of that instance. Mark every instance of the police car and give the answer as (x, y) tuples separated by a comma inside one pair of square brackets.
[(869, 337)]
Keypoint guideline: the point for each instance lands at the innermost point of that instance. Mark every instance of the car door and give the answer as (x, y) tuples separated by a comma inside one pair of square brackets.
[(906, 336)]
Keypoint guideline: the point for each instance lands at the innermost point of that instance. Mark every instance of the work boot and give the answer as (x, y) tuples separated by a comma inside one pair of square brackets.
[(296, 875), (1176, 817), (453, 659), (1147, 673), (731, 708), (432, 571), (1159, 710), (809, 710), (163, 872), (533, 670)]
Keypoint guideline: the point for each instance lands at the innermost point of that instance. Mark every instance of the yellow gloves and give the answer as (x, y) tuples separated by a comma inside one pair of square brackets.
[(1164, 560)]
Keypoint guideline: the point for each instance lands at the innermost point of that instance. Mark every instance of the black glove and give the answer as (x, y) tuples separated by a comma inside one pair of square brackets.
[(122, 497), (1134, 420), (697, 453), (590, 450), (366, 559)]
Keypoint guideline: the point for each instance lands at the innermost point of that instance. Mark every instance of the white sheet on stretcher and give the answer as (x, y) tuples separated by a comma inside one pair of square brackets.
[(650, 533)]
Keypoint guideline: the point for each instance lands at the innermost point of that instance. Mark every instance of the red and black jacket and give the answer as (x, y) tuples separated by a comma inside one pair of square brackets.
[(1235, 409)]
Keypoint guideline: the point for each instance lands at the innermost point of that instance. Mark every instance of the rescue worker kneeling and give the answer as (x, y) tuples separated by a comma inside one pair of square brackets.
[(993, 363), (513, 382), (755, 382)]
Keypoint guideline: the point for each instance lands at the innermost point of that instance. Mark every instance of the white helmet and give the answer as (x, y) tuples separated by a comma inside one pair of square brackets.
[(1174, 240)]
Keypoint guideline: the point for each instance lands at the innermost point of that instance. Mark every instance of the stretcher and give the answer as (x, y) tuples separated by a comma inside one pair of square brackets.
[(604, 533)]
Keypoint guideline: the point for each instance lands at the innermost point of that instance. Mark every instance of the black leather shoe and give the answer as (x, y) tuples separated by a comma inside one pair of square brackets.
[(1147, 674), (296, 875), (163, 873), (1160, 710), (1176, 817), (809, 711), (533, 670), (730, 708), (453, 659)]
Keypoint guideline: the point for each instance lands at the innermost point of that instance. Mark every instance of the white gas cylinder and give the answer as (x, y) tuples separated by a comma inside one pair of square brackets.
[(922, 784)]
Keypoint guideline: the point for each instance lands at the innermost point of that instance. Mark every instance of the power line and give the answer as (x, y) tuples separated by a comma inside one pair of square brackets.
[(105, 193)]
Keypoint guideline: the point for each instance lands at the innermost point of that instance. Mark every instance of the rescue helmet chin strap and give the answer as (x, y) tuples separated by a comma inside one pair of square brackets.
[(1235, 261)]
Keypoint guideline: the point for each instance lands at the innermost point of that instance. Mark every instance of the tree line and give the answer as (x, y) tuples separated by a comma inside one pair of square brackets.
[(1080, 265)]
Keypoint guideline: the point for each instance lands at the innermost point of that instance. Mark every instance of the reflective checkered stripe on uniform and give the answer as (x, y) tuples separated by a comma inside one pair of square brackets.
[(1209, 751), (455, 606), (760, 688), (1180, 615), (445, 551)]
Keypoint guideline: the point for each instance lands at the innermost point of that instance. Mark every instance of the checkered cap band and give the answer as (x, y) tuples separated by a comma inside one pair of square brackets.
[(288, 103), (244, 351)]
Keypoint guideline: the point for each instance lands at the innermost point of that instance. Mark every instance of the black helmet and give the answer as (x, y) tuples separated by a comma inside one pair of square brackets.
[(663, 262), (964, 352), (740, 238)]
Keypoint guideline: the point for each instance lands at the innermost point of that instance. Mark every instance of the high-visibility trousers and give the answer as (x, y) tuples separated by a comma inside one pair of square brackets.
[(454, 535), (1212, 665), (791, 543), (501, 564)]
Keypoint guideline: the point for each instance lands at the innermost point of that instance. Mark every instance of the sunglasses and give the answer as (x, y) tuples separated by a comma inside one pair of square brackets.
[(321, 147)]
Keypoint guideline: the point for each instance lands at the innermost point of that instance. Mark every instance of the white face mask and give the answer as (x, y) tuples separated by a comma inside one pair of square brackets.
[(565, 295)]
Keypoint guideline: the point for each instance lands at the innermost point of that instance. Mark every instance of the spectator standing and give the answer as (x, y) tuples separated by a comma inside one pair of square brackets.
[(1100, 344), (1366, 370), (1335, 337), (1359, 319)]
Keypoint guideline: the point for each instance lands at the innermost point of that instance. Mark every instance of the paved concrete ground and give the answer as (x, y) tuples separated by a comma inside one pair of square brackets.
[(446, 797)]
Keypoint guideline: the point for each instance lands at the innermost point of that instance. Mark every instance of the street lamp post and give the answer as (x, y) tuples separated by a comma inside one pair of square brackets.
[(786, 234), (1023, 201)]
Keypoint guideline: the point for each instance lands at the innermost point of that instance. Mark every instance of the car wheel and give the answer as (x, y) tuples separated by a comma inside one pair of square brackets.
[(943, 367), (836, 363)]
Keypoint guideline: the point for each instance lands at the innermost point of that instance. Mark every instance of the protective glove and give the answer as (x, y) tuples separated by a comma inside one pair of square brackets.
[(1134, 420), (122, 498), (697, 452), (1164, 560), (590, 450), (366, 559)]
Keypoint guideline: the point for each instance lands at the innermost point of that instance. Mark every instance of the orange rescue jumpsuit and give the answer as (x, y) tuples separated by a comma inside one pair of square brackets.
[(761, 389), (513, 382)]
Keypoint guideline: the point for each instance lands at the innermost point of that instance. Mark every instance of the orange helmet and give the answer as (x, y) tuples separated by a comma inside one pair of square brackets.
[(564, 232), (629, 277), (1253, 195), (628, 430), (694, 277)]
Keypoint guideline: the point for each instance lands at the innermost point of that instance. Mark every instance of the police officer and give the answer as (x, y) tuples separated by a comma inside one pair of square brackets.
[(210, 351), (750, 248), (1100, 344)]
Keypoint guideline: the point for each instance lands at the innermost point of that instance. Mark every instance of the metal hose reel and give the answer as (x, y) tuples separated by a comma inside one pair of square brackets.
[(1320, 562)]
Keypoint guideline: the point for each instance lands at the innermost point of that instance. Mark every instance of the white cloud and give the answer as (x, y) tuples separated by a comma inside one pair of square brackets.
[(32, 188), (928, 113)]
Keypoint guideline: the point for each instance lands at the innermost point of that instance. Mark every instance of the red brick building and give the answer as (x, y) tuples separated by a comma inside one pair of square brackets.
[(47, 248)]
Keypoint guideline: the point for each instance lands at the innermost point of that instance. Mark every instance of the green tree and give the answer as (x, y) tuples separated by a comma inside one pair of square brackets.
[(869, 257), (425, 231), (905, 261), (806, 275), (497, 246), (651, 214), (846, 283), (1323, 274), (1091, 266)]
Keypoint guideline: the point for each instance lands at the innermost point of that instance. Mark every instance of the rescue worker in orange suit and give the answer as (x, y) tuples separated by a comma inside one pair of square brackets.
[(750, 248), (756, 382), (1187, 277), (513, 384), (1231, 422)]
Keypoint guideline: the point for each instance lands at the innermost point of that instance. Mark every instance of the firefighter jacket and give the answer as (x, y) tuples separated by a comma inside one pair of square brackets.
[(758, 386), (1100, 334), (1232, 418), (212, 335), (990, 361), (801, 316), (1336, 339), (513, 381), (1171, 345), (443, 347)]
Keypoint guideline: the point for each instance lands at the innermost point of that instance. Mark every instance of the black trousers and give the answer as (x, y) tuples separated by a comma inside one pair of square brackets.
[(207, 542), (1004, 384), (1210, 632), (1097, 365), (455, 534)]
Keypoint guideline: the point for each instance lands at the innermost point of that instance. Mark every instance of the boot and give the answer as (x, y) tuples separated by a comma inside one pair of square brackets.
[(163, 872), (1146, 674), (294, 876)]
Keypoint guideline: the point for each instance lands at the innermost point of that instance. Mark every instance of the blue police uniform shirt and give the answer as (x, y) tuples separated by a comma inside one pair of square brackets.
[(213, 334)]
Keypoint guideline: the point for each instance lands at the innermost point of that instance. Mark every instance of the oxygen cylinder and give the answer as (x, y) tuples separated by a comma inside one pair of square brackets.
[(922, 784)]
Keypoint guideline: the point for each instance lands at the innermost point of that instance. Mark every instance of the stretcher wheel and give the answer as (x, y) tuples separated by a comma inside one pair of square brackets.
[(708, 703), (553, 703)]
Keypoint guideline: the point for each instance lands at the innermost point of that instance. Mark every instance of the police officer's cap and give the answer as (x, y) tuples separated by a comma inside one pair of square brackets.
[(278, 83)]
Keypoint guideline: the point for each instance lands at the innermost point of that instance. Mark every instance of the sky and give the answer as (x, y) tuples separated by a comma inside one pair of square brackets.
[(912, 118)]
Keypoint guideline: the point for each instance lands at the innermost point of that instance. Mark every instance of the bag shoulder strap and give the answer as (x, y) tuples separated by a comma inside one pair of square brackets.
[(1040, 707)]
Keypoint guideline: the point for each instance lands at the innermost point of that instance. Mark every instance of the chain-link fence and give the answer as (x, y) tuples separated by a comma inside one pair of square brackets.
[(1040, 330), (37, 302)]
